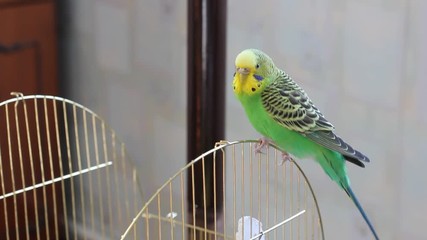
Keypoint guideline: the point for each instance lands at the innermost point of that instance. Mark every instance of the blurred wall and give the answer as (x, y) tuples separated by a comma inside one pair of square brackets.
[(361, 62), (126, 60)]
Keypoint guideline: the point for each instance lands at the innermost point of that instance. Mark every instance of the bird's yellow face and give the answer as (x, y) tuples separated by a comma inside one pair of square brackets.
[(248, 78)]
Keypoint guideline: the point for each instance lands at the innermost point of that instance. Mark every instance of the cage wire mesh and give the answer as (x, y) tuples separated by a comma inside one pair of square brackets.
[(257, 192), (64, 173)]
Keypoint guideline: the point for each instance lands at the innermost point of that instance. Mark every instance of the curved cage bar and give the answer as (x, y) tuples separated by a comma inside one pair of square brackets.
[(255, 187), (64, 174)]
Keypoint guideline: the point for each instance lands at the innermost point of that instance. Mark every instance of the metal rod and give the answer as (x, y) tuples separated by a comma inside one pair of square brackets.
[(21, 164), (206, 97), (9, 140), (98, 176), (52, 173), (79, 166), (109, 198), (277, 225), (61, 168), (39, 185), (70, 168), (3, 189)]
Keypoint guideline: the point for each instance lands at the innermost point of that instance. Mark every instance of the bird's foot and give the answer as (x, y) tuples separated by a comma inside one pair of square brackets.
[(262, 143), (285, 157)]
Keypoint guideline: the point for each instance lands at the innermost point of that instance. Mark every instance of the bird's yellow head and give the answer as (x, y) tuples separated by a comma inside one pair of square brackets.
[(252, 70)]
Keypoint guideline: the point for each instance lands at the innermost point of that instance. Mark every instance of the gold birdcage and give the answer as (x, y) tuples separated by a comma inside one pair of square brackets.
[(64, 174), (255, 188)]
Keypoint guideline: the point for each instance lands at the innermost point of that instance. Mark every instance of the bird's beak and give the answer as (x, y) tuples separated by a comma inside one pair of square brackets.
[(243, 71)]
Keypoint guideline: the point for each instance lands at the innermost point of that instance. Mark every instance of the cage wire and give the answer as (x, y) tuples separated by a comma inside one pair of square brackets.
[(64, 173), (271, 199)]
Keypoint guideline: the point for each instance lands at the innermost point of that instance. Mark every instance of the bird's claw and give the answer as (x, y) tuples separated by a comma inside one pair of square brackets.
[(262, 143), (285, 157)]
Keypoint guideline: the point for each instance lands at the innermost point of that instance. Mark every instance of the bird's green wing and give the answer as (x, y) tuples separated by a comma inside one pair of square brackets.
[(290, 106)]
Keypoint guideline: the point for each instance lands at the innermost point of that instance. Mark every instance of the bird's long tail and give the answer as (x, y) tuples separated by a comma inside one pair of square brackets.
[(356, 202)]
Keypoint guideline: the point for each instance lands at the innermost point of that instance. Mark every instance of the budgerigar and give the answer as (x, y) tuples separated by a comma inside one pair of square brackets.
[(282, 112)]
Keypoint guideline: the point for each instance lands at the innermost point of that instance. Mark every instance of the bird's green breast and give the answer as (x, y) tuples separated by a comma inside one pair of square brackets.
[(287, 140)]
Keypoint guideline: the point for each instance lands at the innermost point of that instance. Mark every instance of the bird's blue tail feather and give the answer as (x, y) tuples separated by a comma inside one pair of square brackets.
[(356, 202)]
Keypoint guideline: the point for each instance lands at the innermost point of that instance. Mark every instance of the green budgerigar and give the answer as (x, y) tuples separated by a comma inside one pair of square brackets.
[(283, 113)]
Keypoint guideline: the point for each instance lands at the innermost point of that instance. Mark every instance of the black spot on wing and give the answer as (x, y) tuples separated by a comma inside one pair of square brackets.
[(296, 94), (305, 104), (293, 100), (308, 120), (354, 161), (311, 114), (322, 122), (283, 93)]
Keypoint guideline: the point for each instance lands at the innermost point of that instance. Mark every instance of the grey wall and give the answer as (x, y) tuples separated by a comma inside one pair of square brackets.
[(361, 62)]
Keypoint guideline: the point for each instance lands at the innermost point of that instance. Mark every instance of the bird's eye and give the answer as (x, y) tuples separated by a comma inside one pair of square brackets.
[(257, 66)]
